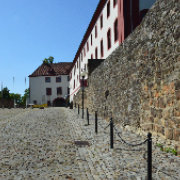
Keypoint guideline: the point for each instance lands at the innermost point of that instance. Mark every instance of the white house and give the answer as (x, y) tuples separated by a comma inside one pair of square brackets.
[(112, 22), (49, 83)]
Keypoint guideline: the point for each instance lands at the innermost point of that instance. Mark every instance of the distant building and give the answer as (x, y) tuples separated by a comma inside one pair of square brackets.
[(49, 84), (112, 22)]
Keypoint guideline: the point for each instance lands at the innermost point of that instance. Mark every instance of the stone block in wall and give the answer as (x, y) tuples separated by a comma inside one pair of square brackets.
[(177, 112), (158, 129), (176, 135), (177, 92), (170, 100), (177, 85), (168, 133), (147, 127), (161, 102)]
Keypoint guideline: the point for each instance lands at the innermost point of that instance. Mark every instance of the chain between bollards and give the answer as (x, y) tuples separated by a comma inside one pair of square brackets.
[(149, 158), (96, 122)]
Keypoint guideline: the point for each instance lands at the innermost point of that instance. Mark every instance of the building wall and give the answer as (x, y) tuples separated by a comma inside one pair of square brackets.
[(38, 88), (108, 23), (143, 76), (127, 14)]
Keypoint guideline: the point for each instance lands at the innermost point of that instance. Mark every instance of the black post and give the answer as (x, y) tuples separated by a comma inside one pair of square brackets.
[(96, 123), (75, 105), (149, 160), (111, 133), (78, 108), (87, 117), (82, 97)]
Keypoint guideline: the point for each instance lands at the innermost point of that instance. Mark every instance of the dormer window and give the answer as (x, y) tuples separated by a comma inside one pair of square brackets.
[(108, 9), (96, 31), (58, 79), (47, 79)]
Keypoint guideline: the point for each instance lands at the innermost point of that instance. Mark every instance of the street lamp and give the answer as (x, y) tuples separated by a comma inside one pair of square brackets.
[(83, 74)]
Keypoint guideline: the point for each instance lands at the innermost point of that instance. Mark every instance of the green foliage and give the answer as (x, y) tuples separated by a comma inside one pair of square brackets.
[(5, 93), (48, 60), (160, 146), (170, 150), (16, 97), (167, 149), (25, 96)]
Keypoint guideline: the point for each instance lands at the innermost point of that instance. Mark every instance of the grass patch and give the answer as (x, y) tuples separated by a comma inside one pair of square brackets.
[(167, 149)]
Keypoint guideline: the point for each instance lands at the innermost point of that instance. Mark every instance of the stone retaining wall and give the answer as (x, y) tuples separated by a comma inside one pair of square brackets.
[(139, 83)]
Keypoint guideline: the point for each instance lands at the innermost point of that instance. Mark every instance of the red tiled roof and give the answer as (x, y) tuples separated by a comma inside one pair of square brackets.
[(54, 69)]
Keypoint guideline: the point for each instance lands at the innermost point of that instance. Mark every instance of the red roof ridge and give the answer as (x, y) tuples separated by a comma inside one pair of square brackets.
[(54, 69)]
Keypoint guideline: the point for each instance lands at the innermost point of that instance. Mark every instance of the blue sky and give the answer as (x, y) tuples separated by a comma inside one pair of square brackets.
[(31, 30)]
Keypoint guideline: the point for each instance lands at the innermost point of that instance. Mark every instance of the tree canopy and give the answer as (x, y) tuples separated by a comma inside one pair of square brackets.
[(20, 100), (48, 60)]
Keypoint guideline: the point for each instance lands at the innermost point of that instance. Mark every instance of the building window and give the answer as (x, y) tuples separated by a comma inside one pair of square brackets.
[(74, 69), (109, 38), (68, 90), (68, 78), (35, 102), (101, 21), (48, 91), (91, 56), (116, 30), (47, 79), (91, 40), (81, 56), (59, 91), (96, 53), (58, 79), (84, 51), (102, 48), (87, 46), (108, 9), (96, 31), (114, 2)]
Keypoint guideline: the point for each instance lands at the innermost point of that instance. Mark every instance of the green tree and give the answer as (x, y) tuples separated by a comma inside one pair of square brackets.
[(48, 60), (25, 96), (16, 97), (5, 93)]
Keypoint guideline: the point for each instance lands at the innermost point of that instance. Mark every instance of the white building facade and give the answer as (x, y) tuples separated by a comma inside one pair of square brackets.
[(111, 23), (49, 83)]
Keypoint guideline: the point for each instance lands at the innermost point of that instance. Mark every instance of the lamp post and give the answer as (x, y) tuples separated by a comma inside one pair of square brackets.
[(83, 97), (83, 74)]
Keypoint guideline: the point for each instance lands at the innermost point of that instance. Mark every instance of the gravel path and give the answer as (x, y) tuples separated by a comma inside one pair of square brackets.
[(39, 144)]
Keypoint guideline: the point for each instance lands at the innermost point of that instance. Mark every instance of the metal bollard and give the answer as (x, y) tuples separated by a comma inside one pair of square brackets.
[(82, 113), (111, 133), (96, 123), (149, 159), (78, 108), (87, 116)]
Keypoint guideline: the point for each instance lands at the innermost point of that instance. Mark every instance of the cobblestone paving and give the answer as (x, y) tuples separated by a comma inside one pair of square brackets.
[(39, 144), (36, 144), (123, 162)]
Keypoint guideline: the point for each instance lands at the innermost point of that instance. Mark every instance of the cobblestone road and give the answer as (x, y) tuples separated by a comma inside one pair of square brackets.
[(39, 144)]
